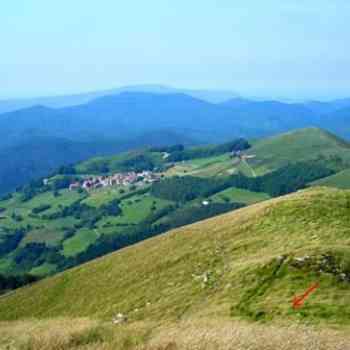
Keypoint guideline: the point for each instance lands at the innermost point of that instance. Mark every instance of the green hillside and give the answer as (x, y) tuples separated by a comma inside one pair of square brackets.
[(339, 180), (244, 265), (298, 146), (215, 266), (47, 228)]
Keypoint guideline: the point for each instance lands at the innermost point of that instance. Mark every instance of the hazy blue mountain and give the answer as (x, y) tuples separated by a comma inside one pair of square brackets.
[(236, 102), (341, 103), (129, 115), (324, 108), (271, 117), (126, 115), (338, 122), (214, 96)]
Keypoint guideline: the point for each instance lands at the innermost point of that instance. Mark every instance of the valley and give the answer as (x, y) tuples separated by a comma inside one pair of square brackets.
[(174, 175), (106, 203)]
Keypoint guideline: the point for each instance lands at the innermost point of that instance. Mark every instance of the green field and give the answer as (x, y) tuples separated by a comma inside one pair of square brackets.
[(50, 236), (43, 270), (79, 242), (104, 195)]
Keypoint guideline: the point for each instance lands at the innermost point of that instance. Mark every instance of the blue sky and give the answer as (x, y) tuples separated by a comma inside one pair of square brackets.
[(296, 49)]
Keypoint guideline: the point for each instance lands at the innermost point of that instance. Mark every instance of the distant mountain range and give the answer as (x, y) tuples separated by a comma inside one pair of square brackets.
[(130, 114), (37, 139), (213, 96), (122, 116)]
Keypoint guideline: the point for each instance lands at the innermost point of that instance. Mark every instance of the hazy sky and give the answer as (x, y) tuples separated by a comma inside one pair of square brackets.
[(268, 48)]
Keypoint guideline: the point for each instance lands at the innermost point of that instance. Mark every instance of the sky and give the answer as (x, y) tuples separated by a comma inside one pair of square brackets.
[(271, 48)]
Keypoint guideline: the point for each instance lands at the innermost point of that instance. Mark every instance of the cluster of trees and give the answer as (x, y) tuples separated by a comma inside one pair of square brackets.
[(87, 215), (34, 254), (30, 191), (137, 163), (168, 149), (6, 197), (185, 188), (13, 282), (61, 182), (134, 162), (41, 208), (66, 170), (189, 215), (36, 187), (98, 166), (11, 241), (208, 151), (284, 180), (111, 208), (30, 255)]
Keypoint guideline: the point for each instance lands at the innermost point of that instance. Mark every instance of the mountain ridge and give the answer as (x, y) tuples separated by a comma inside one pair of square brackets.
[(61, 101)]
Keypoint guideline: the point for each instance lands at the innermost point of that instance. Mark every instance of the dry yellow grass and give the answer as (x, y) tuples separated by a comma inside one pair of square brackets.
[(227, 335), (202, 334)]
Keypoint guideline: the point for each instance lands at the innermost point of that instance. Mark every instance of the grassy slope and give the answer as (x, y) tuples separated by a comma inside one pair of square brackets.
[(339, 180), (228, 266), (300, 145)]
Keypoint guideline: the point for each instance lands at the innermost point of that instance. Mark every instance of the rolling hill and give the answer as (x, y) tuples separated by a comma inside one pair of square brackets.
[(245, 265), (47, 228), (295, 146)]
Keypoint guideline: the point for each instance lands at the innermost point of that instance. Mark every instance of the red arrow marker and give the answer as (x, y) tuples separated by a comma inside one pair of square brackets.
[(298, 301)]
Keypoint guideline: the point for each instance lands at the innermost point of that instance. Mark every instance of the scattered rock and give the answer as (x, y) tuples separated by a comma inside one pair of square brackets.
[(119, 318), (343, 276), (205, 277), (281, 258)]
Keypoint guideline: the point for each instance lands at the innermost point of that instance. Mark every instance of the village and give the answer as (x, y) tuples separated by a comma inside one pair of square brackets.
[(117, 179)]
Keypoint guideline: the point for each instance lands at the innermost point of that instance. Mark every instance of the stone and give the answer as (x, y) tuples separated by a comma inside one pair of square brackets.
[(119, 318)]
